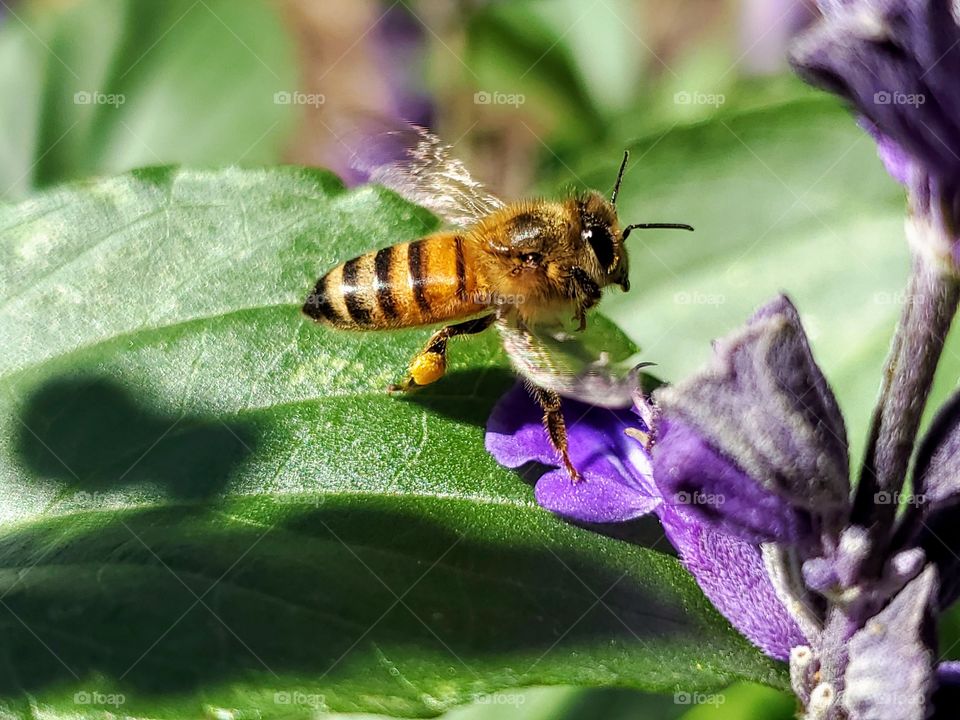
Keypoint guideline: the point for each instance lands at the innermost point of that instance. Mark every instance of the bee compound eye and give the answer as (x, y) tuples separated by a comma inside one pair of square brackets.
[(531, 259), (602, 243)]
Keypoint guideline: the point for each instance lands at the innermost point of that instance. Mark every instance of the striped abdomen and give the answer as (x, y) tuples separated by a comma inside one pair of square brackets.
[(417, 283)]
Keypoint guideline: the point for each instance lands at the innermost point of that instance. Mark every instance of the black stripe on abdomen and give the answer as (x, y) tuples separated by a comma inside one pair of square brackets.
[(318, 305), (418, 281), (353, 294), (461, 268), (381, 267)]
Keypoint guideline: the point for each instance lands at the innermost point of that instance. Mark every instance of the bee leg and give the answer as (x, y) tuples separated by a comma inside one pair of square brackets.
[(581, 318), (430, 364), (588, 294), (556, 428)]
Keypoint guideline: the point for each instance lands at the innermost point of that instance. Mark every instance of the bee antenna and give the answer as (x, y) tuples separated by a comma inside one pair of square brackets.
[(656, 226), (616, 187)]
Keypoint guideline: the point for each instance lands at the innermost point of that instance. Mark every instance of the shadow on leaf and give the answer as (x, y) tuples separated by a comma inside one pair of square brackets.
[(179, 598), (464, 395), (93, 435)]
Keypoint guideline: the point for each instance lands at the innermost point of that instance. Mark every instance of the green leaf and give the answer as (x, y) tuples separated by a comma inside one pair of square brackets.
[(104, 86), (210, 502)]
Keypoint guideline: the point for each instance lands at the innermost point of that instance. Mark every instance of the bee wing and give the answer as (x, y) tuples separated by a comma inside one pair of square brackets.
[(414, 163), (574, 366)]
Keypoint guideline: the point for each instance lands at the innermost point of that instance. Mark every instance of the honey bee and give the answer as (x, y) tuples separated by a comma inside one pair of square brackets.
[(528, 268)]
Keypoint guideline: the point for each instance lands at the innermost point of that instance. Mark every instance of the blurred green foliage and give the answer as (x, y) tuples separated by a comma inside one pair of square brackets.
[(104, 86)]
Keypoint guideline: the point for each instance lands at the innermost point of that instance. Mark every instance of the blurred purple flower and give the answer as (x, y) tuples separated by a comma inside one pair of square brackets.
[(397, 43), (401, 54), (766, 28), (750, 482)]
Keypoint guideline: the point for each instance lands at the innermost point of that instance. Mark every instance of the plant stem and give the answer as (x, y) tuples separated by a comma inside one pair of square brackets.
[(931, 303), (839, 627)]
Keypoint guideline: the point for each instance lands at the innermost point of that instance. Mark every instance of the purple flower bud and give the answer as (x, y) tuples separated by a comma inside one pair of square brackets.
[(932, 516), (760, 428), (898, 63), (842, 568)]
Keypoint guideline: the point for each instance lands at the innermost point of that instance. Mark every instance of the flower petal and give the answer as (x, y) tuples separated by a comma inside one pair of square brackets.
[(515, 434), (937, 467), (890, 674), (764, 404), (732, 575), (595, 499), (617, 482), (692, 473)]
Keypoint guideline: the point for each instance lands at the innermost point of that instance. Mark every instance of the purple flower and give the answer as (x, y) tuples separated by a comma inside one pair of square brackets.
[(618, 485), (750, 481), (897, 62), (867, 600)]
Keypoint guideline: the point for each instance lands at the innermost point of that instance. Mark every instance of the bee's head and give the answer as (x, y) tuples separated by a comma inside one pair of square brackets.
[(600, 230)]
